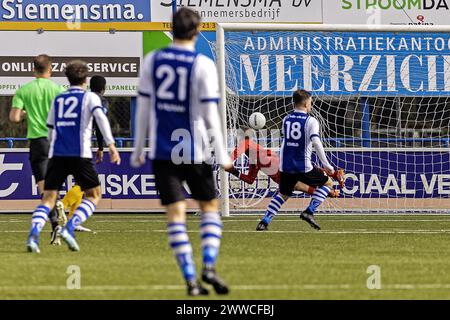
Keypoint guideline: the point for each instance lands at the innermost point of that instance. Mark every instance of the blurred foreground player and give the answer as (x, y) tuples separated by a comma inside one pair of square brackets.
[(178, 111)]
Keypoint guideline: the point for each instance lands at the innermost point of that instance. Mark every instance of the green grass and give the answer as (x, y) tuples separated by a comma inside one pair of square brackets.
[(129, 258)]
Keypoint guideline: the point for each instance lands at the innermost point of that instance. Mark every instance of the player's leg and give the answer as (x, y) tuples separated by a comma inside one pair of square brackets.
[(287, 184), (181, 246), (82, 213), (201, 183), (39, 162), (319, 178), (60, 208), (39, 218), (72, 200), (168, 181), (86, 176), (302, 187), (56, 174)]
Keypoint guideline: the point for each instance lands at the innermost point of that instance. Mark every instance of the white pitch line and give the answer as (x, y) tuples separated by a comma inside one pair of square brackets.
[(286, 220), (431, 286), (176, 287), (365, 231), (256, 220)]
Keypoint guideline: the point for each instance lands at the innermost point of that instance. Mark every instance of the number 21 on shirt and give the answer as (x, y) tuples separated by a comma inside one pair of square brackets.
[(169, 76)]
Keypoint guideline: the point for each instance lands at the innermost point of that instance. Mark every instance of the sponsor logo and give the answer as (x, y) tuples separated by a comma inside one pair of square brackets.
[(118, 67), (341, 63), (396, 4), (269, 10), (420, 20), (84, 11), (9, 167)]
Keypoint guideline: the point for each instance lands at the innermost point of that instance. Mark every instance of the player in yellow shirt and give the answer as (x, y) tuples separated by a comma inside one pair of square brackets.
[(71, 201)]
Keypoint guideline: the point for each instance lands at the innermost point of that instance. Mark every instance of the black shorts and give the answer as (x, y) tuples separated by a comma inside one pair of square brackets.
[(314, 178), (82, 169), (169, 179), (39, 157)]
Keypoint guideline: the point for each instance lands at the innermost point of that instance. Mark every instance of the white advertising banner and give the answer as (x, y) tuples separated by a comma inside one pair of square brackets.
[(115, 56), (393, 12), (306, 11)]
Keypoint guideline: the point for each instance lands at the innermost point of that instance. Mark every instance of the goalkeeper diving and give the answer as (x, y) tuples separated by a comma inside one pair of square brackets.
[(268, 162), (301, 132)]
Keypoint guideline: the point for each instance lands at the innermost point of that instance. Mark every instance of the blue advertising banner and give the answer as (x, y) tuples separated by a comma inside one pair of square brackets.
[(75, 10), (340, 63), (370, 174), (384, 174), (118, 182)]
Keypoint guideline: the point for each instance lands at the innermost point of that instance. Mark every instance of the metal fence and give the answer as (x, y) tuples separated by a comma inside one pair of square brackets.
[(13, 135)]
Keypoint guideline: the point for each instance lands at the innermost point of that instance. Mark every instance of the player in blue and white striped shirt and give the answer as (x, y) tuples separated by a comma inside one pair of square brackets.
[(70, 131), (178, 111), (301, 132)]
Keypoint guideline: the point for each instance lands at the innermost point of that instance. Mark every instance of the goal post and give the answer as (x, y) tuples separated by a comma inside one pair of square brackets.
[(224, 185), (381, 94)]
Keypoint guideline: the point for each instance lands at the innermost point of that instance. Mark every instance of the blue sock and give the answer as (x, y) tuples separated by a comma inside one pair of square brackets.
[(273, 208), (318, 197), (82, 213), (211, 234), (182, 249), (38, 220)]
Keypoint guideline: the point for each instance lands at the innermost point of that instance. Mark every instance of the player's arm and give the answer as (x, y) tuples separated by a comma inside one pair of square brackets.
[(240, 149), (17, 113), (100, 143), (142, 117), (252, 174), (51, 121), (141, 122), (318, 146), (209, 99), (105, 128), (99, 136), (338, 174), (98, 133)]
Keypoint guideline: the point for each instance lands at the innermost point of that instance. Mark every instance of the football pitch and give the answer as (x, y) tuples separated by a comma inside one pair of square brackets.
[(129, 258)]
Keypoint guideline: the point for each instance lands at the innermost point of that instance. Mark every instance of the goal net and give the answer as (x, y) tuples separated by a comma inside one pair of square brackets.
[(380, 94)]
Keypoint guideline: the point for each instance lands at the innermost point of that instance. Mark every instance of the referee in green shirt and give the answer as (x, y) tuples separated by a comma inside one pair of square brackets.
[(33, 101)]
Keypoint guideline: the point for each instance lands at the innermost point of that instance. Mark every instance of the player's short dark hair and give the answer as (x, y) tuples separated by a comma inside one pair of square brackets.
[(98, 84), (185, 24), (77, 72), (300, 96), (42, 63)]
